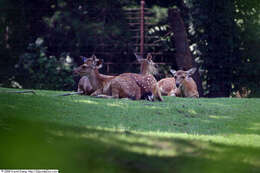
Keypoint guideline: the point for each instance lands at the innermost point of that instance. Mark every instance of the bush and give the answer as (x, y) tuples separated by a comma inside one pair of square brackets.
[(36, 69)]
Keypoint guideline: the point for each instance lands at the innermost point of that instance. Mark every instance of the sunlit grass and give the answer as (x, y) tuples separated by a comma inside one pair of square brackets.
[(111, 135)]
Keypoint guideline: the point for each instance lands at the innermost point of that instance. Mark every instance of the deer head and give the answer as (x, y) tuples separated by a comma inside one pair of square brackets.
[(181, 75), (90, 64), (147, 64)]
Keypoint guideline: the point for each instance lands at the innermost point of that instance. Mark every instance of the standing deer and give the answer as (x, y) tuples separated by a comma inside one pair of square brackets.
[(186, 86)]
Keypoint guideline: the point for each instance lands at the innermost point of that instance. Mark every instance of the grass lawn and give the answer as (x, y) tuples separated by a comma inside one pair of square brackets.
[(83, 134)]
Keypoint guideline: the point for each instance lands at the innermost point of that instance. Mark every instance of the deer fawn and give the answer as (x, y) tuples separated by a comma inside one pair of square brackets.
[(167, 86), (186, 86), (243, 93)]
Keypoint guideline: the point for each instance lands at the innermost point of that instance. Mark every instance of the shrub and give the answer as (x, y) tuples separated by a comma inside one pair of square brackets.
[(36, 69)]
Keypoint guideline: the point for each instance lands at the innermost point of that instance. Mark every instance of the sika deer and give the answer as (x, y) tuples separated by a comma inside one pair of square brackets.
[(147, 66), (84, 85), (128, 85), (131, 84), (109, 86), (166, 86), (186, 86), (146, 80)]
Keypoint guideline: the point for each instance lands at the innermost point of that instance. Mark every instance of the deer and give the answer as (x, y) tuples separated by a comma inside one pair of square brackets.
[(84, 85), (166, 86), (130, 85), (186, 86), (243, 93), (108, 86), (146, 80)]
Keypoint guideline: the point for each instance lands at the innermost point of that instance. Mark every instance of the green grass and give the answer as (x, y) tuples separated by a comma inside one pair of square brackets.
[(84, 134)]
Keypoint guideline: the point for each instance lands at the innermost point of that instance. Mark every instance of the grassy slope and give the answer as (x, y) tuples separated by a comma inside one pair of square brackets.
[(99, 135)]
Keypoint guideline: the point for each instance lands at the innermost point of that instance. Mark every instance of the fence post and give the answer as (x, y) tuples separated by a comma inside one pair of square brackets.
[(142, 28)]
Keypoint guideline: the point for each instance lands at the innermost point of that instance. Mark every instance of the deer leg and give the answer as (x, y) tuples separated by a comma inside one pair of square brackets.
[(157, 93), (97, 92), (115, 91), (104, 96)]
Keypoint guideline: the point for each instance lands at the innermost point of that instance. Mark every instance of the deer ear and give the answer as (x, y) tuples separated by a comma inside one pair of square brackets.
[(138, 57), (99, 63), (173, 72), (84, 59), (149, 56), (191, 71), (94, 57)]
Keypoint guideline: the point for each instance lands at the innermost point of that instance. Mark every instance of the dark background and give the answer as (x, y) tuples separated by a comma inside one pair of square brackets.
[(41, 41)]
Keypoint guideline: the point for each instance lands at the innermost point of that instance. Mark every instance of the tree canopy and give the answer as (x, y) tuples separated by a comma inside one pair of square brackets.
[(41, 40)]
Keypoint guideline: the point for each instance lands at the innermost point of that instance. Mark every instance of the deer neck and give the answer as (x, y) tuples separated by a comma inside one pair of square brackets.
[(144, 70), (95, 79)]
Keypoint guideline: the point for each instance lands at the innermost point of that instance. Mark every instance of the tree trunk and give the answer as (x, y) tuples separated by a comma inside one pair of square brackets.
[(183, 55)]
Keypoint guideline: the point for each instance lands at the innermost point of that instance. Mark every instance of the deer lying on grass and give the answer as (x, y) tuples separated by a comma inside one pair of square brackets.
[(84, 85), (126, 85), (243, 93), (186, 86), (87, 85), (166, 86), (146, 80), (108, 86)]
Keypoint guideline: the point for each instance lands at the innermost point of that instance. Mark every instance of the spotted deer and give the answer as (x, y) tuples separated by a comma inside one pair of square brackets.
[(108, 86), (186, 86), (166, 86), (126, 85), (146, 80)]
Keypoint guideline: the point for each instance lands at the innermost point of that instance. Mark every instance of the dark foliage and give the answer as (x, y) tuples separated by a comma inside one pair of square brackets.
[(224, 36)]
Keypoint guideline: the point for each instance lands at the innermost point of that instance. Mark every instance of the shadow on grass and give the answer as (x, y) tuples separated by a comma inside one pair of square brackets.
[(27, 144)]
